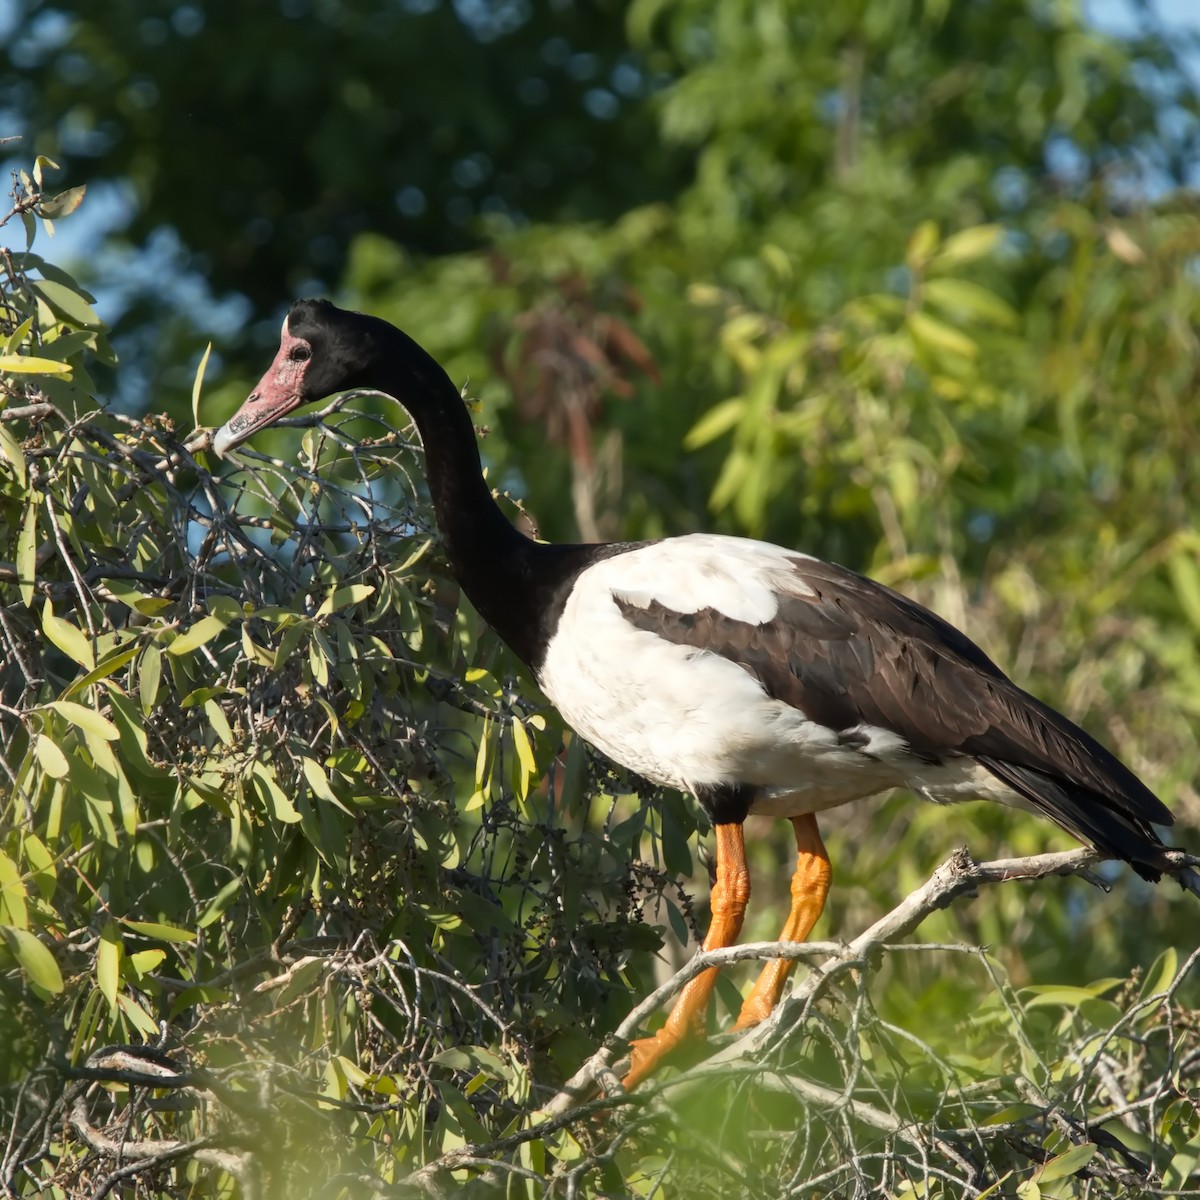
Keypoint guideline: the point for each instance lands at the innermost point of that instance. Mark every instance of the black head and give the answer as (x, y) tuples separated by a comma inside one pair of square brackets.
[(322, 350)]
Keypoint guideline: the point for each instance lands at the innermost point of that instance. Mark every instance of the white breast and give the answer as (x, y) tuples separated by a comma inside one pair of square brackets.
[(687, 717)]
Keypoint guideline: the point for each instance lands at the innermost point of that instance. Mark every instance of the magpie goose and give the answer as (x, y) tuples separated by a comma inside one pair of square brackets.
[(757, 678)]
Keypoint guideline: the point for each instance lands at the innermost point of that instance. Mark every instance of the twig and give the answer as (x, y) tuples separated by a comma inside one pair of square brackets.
[(957, 875), (148, 1153), (464, 1155)]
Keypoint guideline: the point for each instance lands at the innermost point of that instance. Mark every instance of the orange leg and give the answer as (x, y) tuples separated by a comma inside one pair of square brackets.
[(810, 886), (730, 894)]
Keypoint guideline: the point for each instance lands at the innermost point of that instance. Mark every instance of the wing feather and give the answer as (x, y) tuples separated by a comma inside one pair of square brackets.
[(847, 651)]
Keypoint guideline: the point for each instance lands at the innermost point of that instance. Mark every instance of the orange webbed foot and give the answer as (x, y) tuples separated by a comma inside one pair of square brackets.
[(647, 1054)]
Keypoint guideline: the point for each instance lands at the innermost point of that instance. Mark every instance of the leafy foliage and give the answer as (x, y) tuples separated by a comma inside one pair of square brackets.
[(394, 141), (302, 890), (234, 728)]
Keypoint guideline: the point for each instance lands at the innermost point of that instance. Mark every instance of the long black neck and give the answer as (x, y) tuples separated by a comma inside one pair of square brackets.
[(517, 585)]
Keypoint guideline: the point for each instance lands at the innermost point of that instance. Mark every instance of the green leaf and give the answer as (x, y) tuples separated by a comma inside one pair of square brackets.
[(149, 677), (13, 454), (1162, 972), (135, 742), (1181, 1170), (413, 557), (41, 863), (336, 1085), (137, 1016), (145, 961), (108, 962), (995, 1187), (197, 383), (217, 719), (18, 336), (126, 800), (1071, 1162), (281, 804), (331, 714), (1066, 994), (483, 754), (148, 606), (351, 1070), (676, 855), (471, 1058), (63, 204), (382, 1085), (778, 260), (220, 903), (257, 654), (198, 635), (67, 302), (717, 421), (962, 297), (28, 364), (50, 757), (678, 925), (301, 979), (968, 245), (106, 667), (354, 593), (27, 551), (922, 243), (160, 931), (101, 752), (318, 781), (13, 909), (523, 747), (36, 960), (70, 639), (86, 719), (318, 660), (935, 335), (289, 643), (640, 18), (40, 164), (737, 466), (460, 1111)]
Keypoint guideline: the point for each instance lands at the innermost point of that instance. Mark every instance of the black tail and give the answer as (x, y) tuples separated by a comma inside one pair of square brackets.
[(1118, 831)]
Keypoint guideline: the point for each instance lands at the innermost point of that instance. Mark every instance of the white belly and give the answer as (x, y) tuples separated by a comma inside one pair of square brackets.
[(691, 719)]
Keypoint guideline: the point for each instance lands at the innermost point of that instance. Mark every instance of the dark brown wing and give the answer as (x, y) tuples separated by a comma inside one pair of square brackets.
[(847, 651)]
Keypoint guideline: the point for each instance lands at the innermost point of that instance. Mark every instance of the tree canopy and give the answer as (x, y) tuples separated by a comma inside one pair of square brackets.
[(301, 884)]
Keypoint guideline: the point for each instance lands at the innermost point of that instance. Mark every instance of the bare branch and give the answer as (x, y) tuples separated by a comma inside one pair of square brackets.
[(958, 875)]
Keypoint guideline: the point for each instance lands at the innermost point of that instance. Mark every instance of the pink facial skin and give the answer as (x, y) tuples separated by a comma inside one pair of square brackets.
[(278, 392)]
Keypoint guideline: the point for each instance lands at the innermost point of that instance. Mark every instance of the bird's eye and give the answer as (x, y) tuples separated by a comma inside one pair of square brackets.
[(300, 354)]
